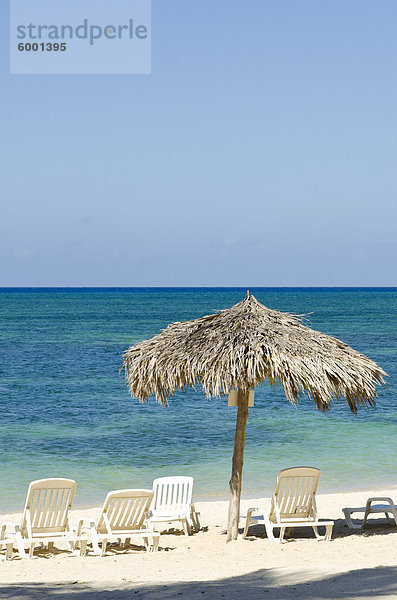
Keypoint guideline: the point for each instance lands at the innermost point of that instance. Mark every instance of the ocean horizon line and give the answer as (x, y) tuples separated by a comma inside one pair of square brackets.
[(194, 288)]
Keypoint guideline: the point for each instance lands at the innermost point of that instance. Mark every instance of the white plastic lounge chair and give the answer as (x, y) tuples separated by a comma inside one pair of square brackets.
[(293, 505), (124, 515), (45, 517), (172, 501), (388, 507)]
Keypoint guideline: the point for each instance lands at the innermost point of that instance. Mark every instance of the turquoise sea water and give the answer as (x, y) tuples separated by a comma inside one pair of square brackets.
[(66, 412)]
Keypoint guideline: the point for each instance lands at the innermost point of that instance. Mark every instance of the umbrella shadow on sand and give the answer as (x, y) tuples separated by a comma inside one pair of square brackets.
[(360, 584)]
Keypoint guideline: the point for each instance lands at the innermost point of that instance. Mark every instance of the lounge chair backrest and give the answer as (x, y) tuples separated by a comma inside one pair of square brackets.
[(124, 509), (294, 496), (172, 495), (47, 506)]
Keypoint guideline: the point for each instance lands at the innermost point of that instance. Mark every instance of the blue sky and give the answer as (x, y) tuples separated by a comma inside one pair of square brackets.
[(260, 151)]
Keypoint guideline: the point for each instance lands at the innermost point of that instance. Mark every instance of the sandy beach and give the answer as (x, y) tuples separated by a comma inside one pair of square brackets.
[(355, 564)]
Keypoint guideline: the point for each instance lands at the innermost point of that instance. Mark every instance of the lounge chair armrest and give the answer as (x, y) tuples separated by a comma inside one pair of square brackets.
[(248, 519), (257, 509), (88, 520), (85, 523), (82, 524), (379, 499), (11, 525), (253, 509), (148, 523)]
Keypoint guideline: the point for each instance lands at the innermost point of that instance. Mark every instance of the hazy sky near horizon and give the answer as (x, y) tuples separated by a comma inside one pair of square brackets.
[(260, 151)]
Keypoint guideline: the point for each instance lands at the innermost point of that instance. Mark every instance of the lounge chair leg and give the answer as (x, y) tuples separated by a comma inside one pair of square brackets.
[(367, 511), (146, 543), (104, 544), (328, 532), (196, 521), (31, 549), (2, 536), (248, 522), (95, 542), (194, 517), (20, 544), (83, 547), (391, 516), (269, 532), (316, 533), (186, 527), (50, 546), (156, 539), (74, 546), (127, 542), (347, 512), (9, 549), (394, 512), (281, 537)]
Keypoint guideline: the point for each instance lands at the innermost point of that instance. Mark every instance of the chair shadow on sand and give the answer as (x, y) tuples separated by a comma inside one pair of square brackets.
[(378, 582), (373, 527), (113, 549)]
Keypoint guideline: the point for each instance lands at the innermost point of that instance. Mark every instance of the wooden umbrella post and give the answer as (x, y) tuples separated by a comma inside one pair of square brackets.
[(237, 466)]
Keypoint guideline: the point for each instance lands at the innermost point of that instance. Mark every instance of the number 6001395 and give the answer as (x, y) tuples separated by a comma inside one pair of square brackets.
[(42, 46)]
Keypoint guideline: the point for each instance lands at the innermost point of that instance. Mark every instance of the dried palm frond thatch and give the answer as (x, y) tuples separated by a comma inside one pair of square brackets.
[(239, 348)]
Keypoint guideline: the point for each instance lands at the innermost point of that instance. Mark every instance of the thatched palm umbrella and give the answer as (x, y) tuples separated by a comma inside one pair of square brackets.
[(240, 347)]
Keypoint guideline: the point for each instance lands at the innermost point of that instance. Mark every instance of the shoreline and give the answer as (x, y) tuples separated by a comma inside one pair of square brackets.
[(328, 499), (245, 497)]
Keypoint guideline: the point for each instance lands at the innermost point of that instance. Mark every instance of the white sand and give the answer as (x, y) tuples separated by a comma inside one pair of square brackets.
[(355, 564)]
